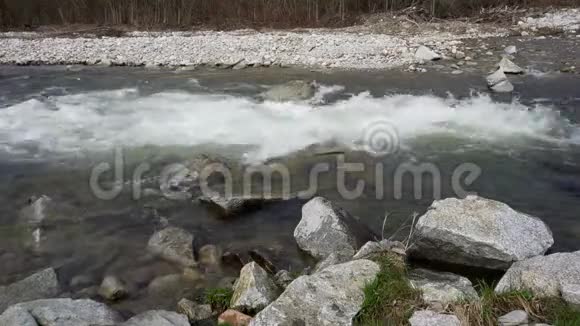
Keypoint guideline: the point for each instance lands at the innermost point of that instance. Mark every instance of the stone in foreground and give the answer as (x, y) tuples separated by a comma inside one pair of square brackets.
[(173, 244), (41, 285), (543, 275), (479, 232), (331, 297), (296, 90), (426, 54), (514, 318), (326, 228), (60, 312), (430, 318), (157, 318), (442, 287), (254, 290), (374, 249), (234, 318), (194, 312)]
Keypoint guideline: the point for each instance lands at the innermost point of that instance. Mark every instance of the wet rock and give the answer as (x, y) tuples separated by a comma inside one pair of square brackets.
[(510, 50), (235, 260), (210, 256), (426, 54), (262, 259), (192, 274), (457, 72), (430, 318), (441, 287), (326, 228), (543, 275), (296, 90), (283, 278), (230, 206), (194, 312), (508, 67), (173, 244), (234, 318), (254, 290), (157, 318), (57, 312), (459, 55), (499, 83), (41, 285), (480, 232), (514, 318), (167, 286), (80, 281), (571, 293), (373, 249), (331, 297), (113, 289)]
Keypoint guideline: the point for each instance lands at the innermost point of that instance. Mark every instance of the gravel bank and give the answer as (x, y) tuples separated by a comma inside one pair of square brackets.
[(346, 48)]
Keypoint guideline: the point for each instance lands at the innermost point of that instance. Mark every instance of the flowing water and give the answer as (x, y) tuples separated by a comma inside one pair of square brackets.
[(56, 124)]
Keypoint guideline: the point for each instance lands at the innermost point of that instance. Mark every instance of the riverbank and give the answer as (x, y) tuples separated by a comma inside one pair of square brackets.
[(378, 45)]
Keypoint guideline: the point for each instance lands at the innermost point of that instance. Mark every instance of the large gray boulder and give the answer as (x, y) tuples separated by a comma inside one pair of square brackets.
[(439, 287), (157, 318), (326, 228), (331, 297), (173, 244), (296, 90), (226, 207), (254, 289), (41, 285), (59, 312), (543, 275), (509, 67), (430, 318), (479, 232), (424, 53)]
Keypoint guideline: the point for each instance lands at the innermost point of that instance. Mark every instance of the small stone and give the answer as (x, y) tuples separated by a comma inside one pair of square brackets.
[(514, 318), (194, 312), (431, 318), (173, 244), (254, 290), (457, 72), (461, 63), (234, 318), (113, 289), (508, 67), (511, 50), (424, 53), (157, 318)]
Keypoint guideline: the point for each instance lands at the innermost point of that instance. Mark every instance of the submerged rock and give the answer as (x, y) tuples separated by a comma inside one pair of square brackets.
[(173, 244), (254, 290), (426, 54), (113, 289), (157, 318), (514, 318), (210, 256), (543, 275), (479, 232), (508, 67), (194, 312), (512, 49), (331, 297), (499, 83), (230, 206), (41, 285), (326, 229), (296, 90), (442, 287), (430, 318), (60, 312)]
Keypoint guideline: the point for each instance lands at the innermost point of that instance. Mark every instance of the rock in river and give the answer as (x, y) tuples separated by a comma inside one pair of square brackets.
[(173, 244), (543, 275), (442, 287), (41, 285), (296, 90), (326, 228), (499, 83), (254, 290), (426, 54), (60, 312), (508, 67), (331, 297), (112, 288), (230, 206), (479, 232)]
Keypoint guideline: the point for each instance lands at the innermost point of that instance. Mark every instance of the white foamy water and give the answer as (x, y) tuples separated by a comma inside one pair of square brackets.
[(102, 120)]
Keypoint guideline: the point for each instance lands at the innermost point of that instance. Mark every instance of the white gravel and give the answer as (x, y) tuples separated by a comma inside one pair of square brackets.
[(565, 19), (328, 48)]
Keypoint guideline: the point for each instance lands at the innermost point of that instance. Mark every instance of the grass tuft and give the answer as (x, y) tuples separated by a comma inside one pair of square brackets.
[(389, 299), (218, 298)]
